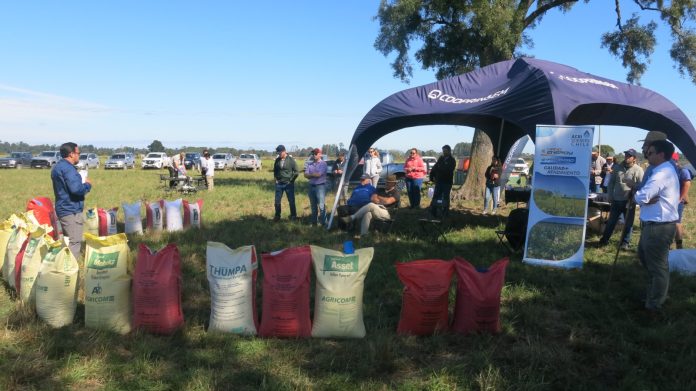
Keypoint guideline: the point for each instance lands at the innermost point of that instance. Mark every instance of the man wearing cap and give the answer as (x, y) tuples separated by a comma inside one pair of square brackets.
[(622, 183), (658, 199), (285, 172), (362, 194), (377, 208), (316, 173), (684, 185), (606, 173), (596, 165), (442, 174)]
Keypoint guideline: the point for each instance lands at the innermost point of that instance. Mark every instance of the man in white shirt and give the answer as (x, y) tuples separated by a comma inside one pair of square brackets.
[(658, 199), (208, 169)]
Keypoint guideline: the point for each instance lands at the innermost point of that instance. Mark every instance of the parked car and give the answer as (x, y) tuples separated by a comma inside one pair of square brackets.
[(191, 160), (45, 159), (224, 161), (121, 161), (16, 160), (248, 161), (519, 166), (88, 160), (154, 160), (429, 162)]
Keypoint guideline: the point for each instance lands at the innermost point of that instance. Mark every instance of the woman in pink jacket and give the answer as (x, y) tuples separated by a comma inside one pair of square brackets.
[(415, 172)]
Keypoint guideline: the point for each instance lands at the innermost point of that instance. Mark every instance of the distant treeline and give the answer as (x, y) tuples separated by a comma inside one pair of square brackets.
[(331, 150)]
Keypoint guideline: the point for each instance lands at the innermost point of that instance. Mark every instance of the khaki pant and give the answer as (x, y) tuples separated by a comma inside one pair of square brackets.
[(209, 180), (367, 212)]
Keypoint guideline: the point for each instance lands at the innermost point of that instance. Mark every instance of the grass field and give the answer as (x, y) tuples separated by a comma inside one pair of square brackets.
[(562, 329)]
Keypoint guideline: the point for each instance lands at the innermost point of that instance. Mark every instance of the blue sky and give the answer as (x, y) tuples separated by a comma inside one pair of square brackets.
[(246, 74)]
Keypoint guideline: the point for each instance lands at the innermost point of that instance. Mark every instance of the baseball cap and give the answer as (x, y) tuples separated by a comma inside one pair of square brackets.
[(280, 148), (631, 152), (364, 176), (391, 178), (654, 135), (610, 157), (316, 151)]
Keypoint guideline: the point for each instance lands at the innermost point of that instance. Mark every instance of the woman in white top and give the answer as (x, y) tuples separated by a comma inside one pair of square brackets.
[(373, 166), (208, 169)]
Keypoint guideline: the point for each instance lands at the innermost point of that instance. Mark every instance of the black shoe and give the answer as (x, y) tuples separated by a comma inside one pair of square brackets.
[(602, 243), (276, 219)]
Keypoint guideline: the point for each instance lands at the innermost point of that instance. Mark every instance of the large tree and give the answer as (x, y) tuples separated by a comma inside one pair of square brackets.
[(456, 37)]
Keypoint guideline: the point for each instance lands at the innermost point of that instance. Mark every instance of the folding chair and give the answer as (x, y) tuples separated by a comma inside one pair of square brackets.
[(385, 225), (515, 232), (434, 225)]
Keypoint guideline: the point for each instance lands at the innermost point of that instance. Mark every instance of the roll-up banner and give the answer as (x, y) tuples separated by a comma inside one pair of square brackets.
[(558, 204)]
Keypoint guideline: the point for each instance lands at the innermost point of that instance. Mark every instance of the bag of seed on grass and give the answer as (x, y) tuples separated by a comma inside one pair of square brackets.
[(7, 228), (45, 213), (27, 268), (108, 221), (478, 297), (173, 215), (133, 219), (192, 213), (91, 221), (286, 293), (15, 245), (157, 290), (232, 279), (338, 297), (154, 216), (425, 300), (107, 283), (56, 286)]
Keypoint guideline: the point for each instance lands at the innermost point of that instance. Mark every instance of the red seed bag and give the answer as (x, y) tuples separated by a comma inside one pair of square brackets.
[(192, 213), (478, 297), (286, 293), (45, 213), (107, 221), (425, 299), (157, 290)]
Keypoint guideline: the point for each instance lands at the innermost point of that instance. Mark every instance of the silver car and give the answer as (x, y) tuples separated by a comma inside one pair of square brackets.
[(248, 161), (88, 160), (224, 161), (121, 161)]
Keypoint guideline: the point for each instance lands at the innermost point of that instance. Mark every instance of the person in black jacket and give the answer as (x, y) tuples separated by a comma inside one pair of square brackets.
[(442, 174), (285, 172)]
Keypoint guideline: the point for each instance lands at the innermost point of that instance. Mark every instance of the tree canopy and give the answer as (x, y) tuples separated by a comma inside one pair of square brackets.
[(457, 37), (156, 146)]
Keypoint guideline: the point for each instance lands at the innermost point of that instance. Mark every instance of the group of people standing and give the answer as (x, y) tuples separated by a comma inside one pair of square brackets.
[(661, 192)]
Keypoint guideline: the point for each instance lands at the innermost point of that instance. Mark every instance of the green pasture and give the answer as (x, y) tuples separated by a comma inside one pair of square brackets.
[(562, 329)]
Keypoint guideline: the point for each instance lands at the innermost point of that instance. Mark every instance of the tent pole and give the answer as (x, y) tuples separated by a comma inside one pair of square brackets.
[(340, 188), (500, 137)]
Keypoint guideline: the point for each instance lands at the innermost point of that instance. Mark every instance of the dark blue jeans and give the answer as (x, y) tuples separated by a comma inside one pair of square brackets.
[(617, 209), (442, 192), (289, 190), (317, 195), (413, 187)]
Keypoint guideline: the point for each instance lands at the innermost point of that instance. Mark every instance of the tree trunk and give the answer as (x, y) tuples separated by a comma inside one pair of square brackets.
[(481, 154)]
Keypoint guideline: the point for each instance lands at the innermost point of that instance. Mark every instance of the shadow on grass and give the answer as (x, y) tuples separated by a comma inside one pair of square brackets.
[(552, 319)]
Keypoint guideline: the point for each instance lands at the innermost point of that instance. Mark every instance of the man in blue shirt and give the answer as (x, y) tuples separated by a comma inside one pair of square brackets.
[(70, 190), (362, 193), (658, 199)]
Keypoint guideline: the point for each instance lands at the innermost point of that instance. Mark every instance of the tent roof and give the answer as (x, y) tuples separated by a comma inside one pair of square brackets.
[(521, 94)]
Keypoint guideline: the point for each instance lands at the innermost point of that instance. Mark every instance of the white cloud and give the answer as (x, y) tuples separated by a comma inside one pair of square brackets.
[(19, 106)]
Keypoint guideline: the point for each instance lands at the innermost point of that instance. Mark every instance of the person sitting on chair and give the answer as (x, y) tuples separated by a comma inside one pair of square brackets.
[(377, 208), (361, 196)]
